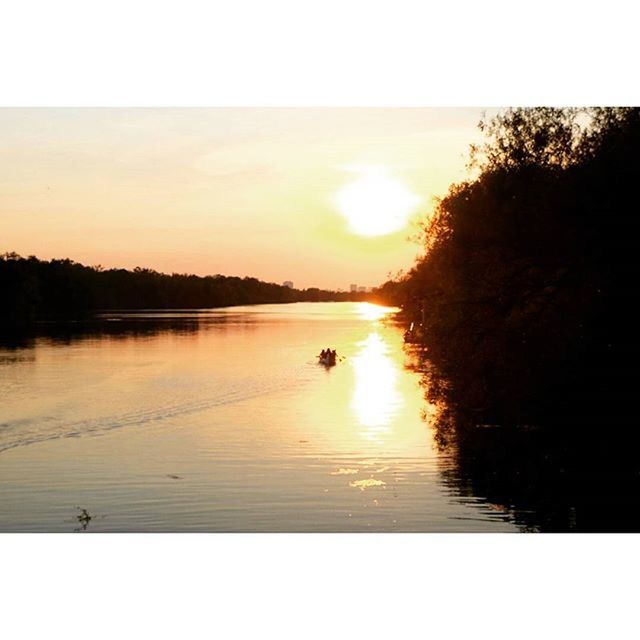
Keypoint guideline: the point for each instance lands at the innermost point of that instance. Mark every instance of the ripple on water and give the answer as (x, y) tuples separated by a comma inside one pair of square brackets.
[(367, 483)]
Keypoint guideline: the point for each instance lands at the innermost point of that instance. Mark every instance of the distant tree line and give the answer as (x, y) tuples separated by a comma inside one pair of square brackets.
[(525, 296), (33, 289)]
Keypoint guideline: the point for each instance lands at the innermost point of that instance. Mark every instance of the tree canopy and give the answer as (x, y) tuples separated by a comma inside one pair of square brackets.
[(527, 283), (33, 289)]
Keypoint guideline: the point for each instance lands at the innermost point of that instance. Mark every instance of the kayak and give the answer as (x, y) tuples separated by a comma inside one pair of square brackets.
[(327, 361)]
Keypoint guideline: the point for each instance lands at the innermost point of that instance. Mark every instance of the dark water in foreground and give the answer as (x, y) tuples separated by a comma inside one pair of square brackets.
[(223, 421)]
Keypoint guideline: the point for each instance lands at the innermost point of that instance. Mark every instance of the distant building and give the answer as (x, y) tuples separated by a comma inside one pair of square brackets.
[(353, 288), (288, 283), (362, 289)]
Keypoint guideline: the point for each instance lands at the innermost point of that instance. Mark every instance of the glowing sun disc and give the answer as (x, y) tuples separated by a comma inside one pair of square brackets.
[(376, 204)]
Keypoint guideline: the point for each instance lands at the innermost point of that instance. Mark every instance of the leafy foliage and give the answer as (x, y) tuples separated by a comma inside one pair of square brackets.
[(33, 289), (528, 279)]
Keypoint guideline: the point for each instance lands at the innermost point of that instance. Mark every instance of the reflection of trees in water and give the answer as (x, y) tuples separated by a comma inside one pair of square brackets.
[(65, 333), (585, 477)]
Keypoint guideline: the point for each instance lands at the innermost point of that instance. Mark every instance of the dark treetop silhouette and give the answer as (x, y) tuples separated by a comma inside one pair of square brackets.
[(526, 299), (33, 289), (529, 275)]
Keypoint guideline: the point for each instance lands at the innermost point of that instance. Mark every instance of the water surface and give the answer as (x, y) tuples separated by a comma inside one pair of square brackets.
[(222, 420)]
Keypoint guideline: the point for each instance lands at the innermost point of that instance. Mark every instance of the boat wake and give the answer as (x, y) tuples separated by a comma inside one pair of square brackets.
[(27, 431)]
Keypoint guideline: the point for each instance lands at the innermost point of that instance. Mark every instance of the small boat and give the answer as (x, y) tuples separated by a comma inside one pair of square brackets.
[(327, 361)]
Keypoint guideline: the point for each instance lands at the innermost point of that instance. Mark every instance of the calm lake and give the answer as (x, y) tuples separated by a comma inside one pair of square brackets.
[(222, 420)]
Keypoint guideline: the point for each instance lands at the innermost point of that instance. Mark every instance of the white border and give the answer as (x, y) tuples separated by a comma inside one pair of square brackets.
[(320, 586), (334, 52)]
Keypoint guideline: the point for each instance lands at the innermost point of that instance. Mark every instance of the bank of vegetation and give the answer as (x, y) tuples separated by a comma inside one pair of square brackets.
[(525, 296), (33, 289)]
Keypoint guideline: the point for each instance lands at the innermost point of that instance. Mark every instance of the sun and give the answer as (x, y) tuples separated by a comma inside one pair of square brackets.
[(376, 203)]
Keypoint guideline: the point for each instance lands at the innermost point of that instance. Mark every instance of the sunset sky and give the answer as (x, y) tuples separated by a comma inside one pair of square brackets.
[(323, 197)]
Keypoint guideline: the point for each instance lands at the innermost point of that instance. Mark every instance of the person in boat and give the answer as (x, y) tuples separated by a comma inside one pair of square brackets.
[(327, 356)]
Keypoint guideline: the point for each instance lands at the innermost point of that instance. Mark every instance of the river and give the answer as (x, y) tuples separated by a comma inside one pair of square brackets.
[(222, 420)]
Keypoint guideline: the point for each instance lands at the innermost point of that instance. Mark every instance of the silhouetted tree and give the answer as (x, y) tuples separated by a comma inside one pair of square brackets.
[(528, 279), (32, 289)]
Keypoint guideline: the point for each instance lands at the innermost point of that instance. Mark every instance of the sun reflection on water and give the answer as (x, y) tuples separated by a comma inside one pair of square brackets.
[(376, 398), (369, 311), (367, 484)]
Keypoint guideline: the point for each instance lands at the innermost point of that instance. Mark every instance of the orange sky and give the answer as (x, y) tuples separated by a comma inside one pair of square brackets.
[(238, 191)]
